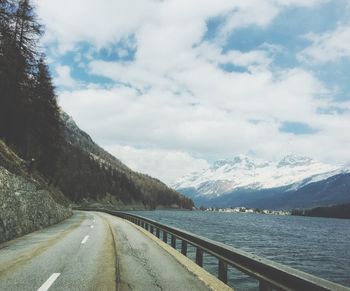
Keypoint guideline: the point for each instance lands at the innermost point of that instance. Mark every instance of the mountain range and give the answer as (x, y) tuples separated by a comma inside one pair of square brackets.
[(292, 182)]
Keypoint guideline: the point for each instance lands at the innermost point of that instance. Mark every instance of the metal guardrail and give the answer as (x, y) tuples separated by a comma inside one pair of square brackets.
[(270, 275)]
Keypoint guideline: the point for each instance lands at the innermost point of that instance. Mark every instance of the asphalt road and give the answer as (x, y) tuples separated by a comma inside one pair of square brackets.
[(91, 251)]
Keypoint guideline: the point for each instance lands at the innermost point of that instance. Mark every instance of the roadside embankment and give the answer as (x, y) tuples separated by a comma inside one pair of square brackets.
[(27, 203)]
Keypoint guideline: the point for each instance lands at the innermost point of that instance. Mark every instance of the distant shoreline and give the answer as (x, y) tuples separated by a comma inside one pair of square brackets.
[(336, 211)]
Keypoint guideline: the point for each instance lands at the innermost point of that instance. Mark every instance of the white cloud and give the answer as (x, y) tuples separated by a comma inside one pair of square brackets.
[(173, 98), (105, 22), (163, 164), (259, 13), (100, 22), (63, 77), (251, 60), (249, 121), (328, 47)]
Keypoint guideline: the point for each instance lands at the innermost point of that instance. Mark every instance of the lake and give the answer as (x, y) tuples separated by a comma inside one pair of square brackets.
[(319, 246)]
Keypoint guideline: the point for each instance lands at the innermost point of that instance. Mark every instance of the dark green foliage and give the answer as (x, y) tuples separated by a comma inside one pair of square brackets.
[(46, 120), (79, 176), (85, 170), (337, 211), (29, 115)]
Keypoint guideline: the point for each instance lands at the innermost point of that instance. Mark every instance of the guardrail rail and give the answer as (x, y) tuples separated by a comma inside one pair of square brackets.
[(270, 275)]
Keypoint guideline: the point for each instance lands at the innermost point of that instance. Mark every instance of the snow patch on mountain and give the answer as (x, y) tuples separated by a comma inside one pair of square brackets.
[(345, 169), (243, 172)]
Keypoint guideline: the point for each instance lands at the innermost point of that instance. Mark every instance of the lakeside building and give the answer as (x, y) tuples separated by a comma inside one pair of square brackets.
[(248, 210)]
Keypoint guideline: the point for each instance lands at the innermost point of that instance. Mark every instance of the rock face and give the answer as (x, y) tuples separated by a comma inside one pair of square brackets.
[(27, 203)]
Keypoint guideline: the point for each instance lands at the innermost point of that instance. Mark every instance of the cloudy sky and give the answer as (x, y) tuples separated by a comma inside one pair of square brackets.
[(170, 86)]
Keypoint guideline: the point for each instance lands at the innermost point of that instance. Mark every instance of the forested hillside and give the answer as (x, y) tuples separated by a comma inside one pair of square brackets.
[(29, 115), (32, 124), (86, 171), (336, 211)]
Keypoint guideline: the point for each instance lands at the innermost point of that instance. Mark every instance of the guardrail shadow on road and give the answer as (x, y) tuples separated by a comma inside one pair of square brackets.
[(270, 275)]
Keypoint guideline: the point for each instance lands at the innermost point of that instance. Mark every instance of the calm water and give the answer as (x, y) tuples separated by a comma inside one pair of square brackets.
[(319, 246)]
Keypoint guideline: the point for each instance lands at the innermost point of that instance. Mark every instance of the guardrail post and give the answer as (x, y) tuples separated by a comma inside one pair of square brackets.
[(199, 257), (173, 241), (157, 232), (222, 271), (146, 226), (184, 248), (263, 286), (165, 238), (151, 229), (142, 224)]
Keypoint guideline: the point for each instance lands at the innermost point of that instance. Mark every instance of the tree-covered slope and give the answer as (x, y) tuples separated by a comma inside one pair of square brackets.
[(85, 171), (336, 211)]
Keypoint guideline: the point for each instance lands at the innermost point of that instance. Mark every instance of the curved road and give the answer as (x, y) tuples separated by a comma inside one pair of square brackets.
[(91, 251)]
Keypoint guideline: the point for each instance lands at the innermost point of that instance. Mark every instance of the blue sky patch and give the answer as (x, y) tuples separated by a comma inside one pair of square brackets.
[(297, 128)]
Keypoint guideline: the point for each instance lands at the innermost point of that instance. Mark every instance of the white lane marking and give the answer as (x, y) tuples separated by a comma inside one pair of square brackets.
[(92, 226), (49, 282), (85, 239)]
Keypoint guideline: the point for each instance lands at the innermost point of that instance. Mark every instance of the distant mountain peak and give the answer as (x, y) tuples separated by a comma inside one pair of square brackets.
[(220, 163), (295, 160), (243, 172), (236, 161)]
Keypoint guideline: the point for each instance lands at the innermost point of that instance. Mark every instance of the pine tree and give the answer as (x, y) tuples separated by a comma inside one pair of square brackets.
[(19, 34), (29, 114), (27, 29), (46, 123), (7, 75)]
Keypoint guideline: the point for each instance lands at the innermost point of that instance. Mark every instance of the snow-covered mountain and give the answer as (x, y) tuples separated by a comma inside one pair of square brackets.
[(243, 172), (243, 179)]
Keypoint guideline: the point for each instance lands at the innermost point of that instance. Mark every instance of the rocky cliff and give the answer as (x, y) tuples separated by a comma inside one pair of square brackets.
[(27, 202)]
